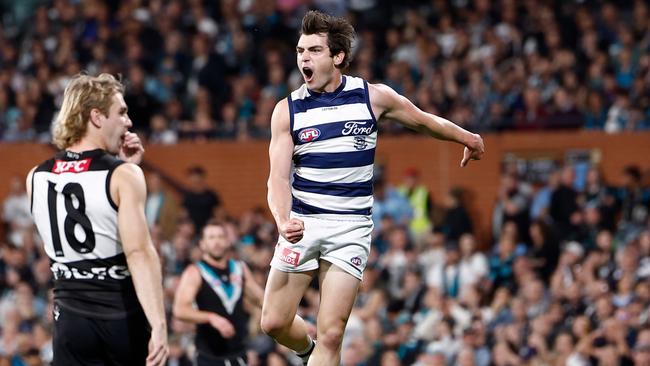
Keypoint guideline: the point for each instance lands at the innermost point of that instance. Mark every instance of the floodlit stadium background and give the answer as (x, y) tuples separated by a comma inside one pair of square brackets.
[(550, 232)]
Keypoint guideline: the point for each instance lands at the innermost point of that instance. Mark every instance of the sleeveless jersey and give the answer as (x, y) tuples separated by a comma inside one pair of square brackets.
[(334, 135), (222, 292), (77, 221)]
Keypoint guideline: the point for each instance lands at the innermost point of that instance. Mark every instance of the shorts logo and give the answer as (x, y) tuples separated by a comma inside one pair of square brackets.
[(360, 142), (309, 134), (289, 256), (356, 261)]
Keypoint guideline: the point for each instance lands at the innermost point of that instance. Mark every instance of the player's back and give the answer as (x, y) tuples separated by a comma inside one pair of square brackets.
[(77, 220)]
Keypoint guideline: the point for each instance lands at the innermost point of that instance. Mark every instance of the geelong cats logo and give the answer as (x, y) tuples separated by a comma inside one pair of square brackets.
[(360, 142)]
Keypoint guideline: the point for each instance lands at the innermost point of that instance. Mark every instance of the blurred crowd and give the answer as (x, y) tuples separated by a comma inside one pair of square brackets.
[(565, 279), (199, 70)]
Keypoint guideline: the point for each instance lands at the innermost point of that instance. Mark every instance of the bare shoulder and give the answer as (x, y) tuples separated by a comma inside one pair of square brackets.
[(191, 272), (188, 285), (128, 173), (382, 98), (281, 110), (380, 88), (28, 181), (280, 119), (128, 179)]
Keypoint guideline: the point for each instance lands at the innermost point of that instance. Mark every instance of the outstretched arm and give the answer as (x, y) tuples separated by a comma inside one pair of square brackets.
[(388, 103), (279, 190)]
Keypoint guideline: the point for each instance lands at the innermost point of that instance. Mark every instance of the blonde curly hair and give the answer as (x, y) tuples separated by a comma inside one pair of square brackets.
[(83, 94)]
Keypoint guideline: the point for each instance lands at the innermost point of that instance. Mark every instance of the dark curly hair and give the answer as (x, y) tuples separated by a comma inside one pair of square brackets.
[(340, 33)]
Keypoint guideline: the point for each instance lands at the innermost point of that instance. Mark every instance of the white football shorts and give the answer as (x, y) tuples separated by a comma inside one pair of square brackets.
[(343, 240)]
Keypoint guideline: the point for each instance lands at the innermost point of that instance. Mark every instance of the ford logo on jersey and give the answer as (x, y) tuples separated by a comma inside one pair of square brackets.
[(356, 128), (309, 134)]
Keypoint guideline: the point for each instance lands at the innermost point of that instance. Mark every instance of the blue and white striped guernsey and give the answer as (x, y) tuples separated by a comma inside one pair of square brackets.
[(335, 135)]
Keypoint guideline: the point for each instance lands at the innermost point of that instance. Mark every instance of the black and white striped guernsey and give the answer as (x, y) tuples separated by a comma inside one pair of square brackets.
[(77, 220), (335, 135)]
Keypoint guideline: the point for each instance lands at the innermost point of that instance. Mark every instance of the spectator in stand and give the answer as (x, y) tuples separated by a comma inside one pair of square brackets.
[(474, 267), (446, 279), (635, 202), (389, 202), (512, 205), (456, 221), (420, 200), (161, 207), (200, 201), (564, 204), (161, 133), (544, 250), (541, 200), (16, 211), (597, 192), (501, 264)]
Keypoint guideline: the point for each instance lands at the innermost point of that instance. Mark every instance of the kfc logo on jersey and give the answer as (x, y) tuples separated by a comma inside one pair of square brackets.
[(78, 166), (356, 128), (309, 134), (289, 256)]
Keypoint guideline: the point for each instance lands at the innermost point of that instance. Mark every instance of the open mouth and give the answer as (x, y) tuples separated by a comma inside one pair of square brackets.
[(309, 73)]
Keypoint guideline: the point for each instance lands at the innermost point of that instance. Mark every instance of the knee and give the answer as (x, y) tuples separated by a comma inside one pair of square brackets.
[(331, 337), (273, 326)]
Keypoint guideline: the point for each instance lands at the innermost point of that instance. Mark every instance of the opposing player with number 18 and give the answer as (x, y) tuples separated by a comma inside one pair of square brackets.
[(88, 205)]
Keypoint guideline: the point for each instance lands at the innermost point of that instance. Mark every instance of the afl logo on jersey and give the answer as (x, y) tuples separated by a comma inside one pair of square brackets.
[(309, 134)]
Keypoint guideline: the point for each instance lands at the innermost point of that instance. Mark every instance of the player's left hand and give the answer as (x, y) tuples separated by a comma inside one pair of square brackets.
[(158, 347), (474, 150), (222, 324), (131, 150)]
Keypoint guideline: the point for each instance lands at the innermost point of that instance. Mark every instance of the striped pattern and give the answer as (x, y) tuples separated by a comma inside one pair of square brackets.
[(332, 130), (318, 116), (335, 135)]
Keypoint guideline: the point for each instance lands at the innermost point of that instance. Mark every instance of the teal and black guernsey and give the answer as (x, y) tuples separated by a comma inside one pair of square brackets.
[(335, 135), (222, 292)]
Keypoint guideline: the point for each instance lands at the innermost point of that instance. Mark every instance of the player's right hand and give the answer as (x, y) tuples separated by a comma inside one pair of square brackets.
[(158, 347), (222, 324), (292, 230), (131, 150), (474, 150)]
